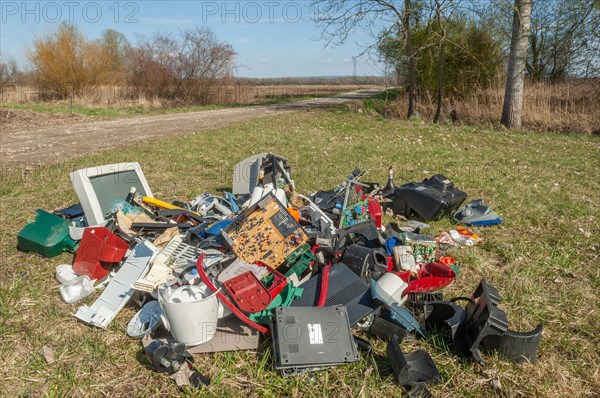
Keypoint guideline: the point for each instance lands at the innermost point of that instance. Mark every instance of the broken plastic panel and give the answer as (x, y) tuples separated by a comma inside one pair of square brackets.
[(521, 346), (385, 328), (448, 318), (119, 290), (482, 326), (250, 294), (72, 212), (238, 267), (375, 211), (248, 173), (99, 251), (318, 218), (211, 206), (345, 288), (487, 328), (365, 233), (485, 320), (413, 371), (403, 317), (47, 235), (235, 207), (309, 337), (218, 227), (430, 277), (404, 258)]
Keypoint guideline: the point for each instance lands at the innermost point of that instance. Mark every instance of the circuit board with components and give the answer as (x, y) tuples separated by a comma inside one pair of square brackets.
[(265, 232)]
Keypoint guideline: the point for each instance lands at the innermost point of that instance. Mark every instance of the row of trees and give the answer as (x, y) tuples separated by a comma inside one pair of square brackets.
[(451, 47), (181, 66)]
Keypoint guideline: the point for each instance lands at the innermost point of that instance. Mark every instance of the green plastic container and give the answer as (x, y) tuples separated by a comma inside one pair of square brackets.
[(47, 236)]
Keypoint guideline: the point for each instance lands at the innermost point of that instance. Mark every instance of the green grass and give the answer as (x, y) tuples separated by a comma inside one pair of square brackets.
[(543, 259), (112, 112), (64, 107)]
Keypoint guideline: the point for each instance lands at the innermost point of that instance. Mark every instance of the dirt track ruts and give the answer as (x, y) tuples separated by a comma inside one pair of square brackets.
[(54, 143)]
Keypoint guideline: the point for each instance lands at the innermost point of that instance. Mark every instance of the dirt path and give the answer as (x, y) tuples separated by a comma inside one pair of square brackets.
[(34, 146)]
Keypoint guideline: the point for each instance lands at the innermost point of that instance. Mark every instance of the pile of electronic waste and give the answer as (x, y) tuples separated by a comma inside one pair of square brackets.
[(310, 271)]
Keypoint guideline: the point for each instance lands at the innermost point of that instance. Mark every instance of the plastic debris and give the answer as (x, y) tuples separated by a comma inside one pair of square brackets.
[(215, 273)]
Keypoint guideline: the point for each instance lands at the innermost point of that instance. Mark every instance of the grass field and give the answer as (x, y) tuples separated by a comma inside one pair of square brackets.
[(543, 259), (64, 107)]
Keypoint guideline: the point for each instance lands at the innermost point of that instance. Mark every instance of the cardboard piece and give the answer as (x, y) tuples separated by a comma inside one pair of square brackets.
[(232, 335)]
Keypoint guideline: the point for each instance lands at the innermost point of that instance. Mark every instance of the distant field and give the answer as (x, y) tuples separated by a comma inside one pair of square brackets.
[(567, 106), (543, 259), (114, 100)]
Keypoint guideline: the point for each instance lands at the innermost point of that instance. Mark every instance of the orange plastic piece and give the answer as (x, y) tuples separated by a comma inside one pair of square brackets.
[(295, 213)]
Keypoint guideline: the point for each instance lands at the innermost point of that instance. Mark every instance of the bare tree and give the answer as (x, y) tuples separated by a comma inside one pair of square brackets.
[(337, 18), (562, 36), (183, 67), (515, 77), (9, 72)]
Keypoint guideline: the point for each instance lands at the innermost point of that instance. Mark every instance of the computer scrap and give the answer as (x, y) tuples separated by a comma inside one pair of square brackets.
[(266, 259)]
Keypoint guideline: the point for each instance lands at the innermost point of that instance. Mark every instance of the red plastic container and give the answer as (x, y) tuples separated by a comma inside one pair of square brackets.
[(376, 211), (431, 277), (99, 250)]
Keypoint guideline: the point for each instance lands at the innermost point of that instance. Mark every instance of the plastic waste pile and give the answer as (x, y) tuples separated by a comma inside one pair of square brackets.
[(215, 273)]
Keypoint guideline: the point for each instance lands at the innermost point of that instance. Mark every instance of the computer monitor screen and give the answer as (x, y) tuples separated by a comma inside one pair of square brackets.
[(98, 187)]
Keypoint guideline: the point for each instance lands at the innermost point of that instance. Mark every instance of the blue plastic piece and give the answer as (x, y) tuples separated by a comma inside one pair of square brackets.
[(218, 227), (235, 207), (486, 223), (392, 242), (406, 320), (477, 214)]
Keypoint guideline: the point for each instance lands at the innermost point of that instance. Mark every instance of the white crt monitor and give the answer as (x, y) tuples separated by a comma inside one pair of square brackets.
[(98, 187)]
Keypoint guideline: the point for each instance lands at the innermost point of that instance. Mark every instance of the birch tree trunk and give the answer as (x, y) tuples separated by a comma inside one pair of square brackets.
[(515, 76), (412, 61)]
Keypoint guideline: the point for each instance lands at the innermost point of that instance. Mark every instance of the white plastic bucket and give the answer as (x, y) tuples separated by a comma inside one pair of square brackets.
[(190, 313)]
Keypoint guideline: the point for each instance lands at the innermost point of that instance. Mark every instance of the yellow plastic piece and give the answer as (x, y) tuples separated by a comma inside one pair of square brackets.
[(163, 205)]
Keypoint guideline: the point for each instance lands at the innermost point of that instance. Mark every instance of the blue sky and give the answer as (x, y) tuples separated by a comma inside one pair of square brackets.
[(272, 38)]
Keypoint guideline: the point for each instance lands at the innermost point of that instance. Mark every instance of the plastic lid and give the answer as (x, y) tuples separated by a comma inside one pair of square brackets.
[(145, 321)]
